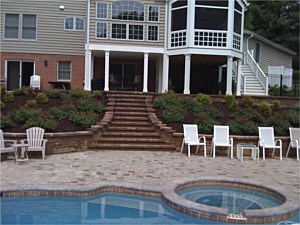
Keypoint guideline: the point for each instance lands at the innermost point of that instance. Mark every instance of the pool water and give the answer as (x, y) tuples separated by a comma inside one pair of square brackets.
[(108, 208), (236, 200)]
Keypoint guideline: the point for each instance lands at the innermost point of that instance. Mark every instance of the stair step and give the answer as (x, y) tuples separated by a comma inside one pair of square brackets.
[(129, 134), (133, 147), (122, 113), (117, 128), (133, 140), (130, 123), (131, 118), (130, 104), (123, 95), (130, 109)]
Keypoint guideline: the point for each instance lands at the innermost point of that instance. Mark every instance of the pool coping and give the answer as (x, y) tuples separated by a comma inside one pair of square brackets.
[(168, 194)]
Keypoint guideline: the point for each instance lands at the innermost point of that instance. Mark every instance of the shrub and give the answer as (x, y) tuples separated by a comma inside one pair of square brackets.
[(248, 101), (83, 119), (28, 90), (174, 114), (187, 103), (8, 97), (53, 93), (59, 113), (6, 122), (265, 109), (24, 114), (2, 105), (204, 99), (229, 99), (242, 125), (42, 98), (43, 122), (18, 91), (276, 105), (96, 94), (166, 100), (31, 103), (206, 126), (88, 105), (2, 91), (293, 117), (79, 93), (280, 124), (234, 105)]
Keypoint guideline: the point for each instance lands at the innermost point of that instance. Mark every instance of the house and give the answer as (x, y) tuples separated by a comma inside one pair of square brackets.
[(190, 46)]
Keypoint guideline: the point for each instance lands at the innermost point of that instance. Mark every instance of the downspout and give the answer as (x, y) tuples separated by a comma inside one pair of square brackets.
[(247, 48)]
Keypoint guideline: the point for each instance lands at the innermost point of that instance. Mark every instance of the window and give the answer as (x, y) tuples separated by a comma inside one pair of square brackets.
[(29, 27), (101, 30), (64, 71), (74, 23), (153, 13), (101, 10), (118, 31), (128, 10), (152, 33), (179, 19), (11, 26), (257, 52), (237, 18), (136, 32)]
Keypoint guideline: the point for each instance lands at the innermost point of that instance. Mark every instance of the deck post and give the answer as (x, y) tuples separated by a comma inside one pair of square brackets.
[(187, 74), (87, 75), (106, 73), (239, 77), (165, 73), (146, 59), (229, 75)]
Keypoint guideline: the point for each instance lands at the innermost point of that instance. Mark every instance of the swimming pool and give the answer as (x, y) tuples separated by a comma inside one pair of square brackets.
[(236, 200), (107, 208)]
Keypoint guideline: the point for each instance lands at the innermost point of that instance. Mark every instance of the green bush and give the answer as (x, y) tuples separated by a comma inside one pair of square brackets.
[(8, 97), (280, 124), (166, 100), (2, 105), (28, 90), (30, 104), (276, 105), (293, 117), (43, 122), (88, 105), (203, 99), (42, 98), (206, 126), (187, 103), (18, 92), (229, 99), (242, 125), (234, 105), (96, 94), (248, 101), (53, 93), (59, 113), (6, 122), (24, 114), (174, 114), (83, 119), (79, 93), (265, 109)]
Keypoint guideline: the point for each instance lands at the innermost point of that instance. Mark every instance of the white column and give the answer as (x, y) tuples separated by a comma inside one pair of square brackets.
[(165, 73), (146, 59), (229, 75), (220, 80), (230, 23), (239, 77), (106, 73), (159, 63), (187, 74), (87, 75), (190, 23)]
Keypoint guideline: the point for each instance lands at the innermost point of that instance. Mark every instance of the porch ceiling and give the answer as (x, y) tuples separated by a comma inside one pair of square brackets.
[(201, 60)]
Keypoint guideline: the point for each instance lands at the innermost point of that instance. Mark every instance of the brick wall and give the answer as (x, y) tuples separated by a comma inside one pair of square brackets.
[(46, 66)]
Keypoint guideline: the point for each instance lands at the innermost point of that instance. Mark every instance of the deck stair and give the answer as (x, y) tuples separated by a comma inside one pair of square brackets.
[(133, 125), (252, 85)]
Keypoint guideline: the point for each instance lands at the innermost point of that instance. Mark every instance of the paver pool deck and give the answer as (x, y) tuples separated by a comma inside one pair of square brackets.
[(83, 170)]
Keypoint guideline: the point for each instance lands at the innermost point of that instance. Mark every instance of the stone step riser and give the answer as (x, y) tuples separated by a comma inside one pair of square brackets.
[(130, 123), (120, 113), (130, 134), (128, 129), (131, 147), (138, 140), (130, 118), (130, 109)]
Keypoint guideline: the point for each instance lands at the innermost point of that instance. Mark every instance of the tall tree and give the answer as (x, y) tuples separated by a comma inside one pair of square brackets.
[(276, 20)]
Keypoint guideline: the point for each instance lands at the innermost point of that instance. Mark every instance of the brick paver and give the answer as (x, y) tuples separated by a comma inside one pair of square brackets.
[(85, 169)]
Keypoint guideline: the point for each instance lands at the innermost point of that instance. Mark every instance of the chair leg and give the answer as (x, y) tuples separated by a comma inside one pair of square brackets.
[(182, 146), (197, 149), (189, 150), (273, 152), (264, 153), (43, 155), (280, 152), (298, 152), (205, 151), (288, 150), (214, 151)]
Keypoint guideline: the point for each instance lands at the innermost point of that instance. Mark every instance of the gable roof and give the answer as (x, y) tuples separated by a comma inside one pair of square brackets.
[(268, 42)]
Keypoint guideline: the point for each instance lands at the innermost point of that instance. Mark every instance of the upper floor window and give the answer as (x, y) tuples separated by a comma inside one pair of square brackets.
[(101, 30), (101, 11), (64, 71), (211, 15), (153, 14), (127, 31), (13, 25), (237, 18), (152, 33), (179, 15), (128, 10), (74, 23)]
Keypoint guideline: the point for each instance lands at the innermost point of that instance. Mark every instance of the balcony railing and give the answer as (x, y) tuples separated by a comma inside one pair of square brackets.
[(178, 38), (208, 38), (236, 44)]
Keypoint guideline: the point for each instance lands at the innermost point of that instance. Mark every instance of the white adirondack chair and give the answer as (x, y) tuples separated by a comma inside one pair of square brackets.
[(295, 139), (3, 147), (267, 140), (191, 137), (35, 81), (221, 139), (35, 140)]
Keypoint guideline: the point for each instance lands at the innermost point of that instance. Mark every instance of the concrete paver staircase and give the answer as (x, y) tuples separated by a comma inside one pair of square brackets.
[(253, 86), (133, 125)]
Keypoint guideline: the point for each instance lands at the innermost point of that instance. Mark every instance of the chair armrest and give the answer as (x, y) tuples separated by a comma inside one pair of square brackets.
[(10, 142), (202, 137), (261, 142), (231, 140), (186, 139), (23, 141), (44, 142), (278, 141)]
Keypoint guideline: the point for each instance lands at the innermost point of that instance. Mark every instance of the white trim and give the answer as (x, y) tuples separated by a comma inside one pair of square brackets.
[(158, 13), (96, 27), (127, 31), (96, 8), (74, 23), (147, 31), (122, 48), (141, 21)]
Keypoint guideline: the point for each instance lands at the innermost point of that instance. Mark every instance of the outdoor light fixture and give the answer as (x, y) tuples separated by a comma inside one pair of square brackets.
[(61, 7), (45, 63)]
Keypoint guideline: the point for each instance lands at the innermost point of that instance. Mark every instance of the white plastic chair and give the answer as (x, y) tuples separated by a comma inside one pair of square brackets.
[(267, 140), (294, 143), (35, 81), (191, 137), (3, 148), (35, 140), (221, 139)]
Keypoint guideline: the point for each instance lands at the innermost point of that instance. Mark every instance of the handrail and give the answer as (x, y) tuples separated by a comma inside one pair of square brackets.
[(259, 74)]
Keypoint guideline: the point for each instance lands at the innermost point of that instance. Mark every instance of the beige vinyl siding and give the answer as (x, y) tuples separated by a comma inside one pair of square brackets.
[(269, 55), (160, 24), (51, 36)]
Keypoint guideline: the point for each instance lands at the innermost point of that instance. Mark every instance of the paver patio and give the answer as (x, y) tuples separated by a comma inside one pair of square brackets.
[(83, 170)]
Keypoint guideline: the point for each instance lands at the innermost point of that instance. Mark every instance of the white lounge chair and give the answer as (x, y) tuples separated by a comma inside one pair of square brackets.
[(3, 147), (221, 139), (267, 140), (294, 143), (35, 140), (191, 137)]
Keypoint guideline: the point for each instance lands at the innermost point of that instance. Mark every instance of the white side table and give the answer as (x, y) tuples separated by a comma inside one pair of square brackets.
[(21, 156), (254, 151)]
